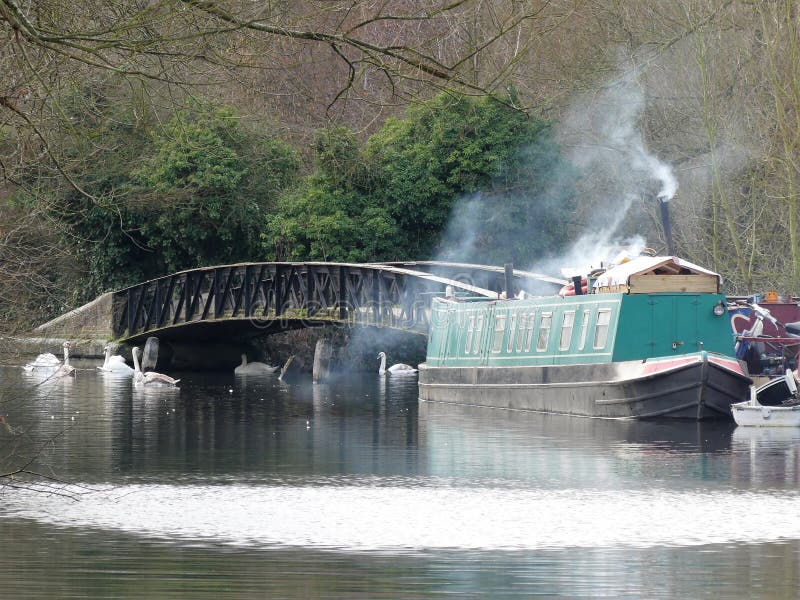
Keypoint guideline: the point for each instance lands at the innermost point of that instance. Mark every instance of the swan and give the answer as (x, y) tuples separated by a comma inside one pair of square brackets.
[(253, 368), (398, 369), (150, 378), (46, 361), (114, 363), (65, 369)]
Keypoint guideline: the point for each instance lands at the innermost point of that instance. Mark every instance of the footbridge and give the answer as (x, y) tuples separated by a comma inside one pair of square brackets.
[(252, 299)]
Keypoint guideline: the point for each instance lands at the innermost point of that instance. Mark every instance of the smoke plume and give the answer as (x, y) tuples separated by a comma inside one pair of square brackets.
[(602, 134)]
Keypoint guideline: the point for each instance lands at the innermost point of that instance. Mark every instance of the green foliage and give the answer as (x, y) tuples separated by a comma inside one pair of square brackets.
[(339, 159), (194, 192), (318, 222), (489, 171), (213, 185), (196, 210), (333, 216), (462, 178), (197, 151), (448, 150), (274, 167)]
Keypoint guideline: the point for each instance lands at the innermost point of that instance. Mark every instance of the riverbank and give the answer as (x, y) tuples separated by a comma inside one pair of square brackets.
[(20, 347)]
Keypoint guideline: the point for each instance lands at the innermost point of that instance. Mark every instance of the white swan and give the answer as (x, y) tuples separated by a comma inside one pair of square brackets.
[(253, 368), (43, 362), (65, 369), (398, 369), (114, 363), (150, 378)]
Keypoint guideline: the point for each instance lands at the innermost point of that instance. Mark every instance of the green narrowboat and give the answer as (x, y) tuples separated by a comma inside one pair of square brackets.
[(652, 339)]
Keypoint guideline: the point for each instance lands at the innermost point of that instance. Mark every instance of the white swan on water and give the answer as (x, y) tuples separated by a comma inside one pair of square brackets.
[(43, 362), (253, 368), (115, 364), (398, 369), (65, 369), (151, 378)]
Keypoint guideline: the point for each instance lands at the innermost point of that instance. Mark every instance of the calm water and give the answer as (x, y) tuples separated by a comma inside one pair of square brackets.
[(248, 488)]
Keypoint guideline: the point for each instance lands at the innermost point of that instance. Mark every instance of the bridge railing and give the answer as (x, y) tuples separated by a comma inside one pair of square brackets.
[(266, 292), (288, 295)]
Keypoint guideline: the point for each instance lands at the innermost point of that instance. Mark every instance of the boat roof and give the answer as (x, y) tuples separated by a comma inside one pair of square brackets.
[(655, 265)]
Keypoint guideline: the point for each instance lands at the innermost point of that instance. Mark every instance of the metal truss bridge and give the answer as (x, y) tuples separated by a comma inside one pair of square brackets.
[(251, 299)]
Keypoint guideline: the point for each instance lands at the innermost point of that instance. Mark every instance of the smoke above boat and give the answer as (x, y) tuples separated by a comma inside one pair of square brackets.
[(602, 135)]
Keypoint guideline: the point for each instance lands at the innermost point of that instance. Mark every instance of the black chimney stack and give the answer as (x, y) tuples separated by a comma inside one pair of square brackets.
[(577, 283), (664, 202), (509, 276)]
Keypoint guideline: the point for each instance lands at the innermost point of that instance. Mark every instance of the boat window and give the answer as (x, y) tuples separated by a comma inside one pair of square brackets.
[(544, 332), (476, 346), (512, 330), (521, 332), (601, 329), (499, 331), (471, 327), (584, 329), (566, 330), (529, 332)]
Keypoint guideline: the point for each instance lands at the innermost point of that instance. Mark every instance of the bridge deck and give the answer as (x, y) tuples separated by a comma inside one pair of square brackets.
[(248, 299)]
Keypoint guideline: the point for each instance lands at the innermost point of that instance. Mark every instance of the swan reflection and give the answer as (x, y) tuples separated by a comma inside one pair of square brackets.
[(155, 392)]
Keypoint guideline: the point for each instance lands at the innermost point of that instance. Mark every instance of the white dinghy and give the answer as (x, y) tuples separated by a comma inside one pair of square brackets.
[(753, 413)]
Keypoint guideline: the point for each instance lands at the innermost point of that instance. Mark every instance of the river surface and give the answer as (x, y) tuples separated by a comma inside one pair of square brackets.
[(249, 488)]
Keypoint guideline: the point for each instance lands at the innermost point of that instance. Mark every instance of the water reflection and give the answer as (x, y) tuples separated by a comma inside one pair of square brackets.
[(249, 425), (123, 566), (767, 457), (150, 392), (254, 379), (266, 489), (556, 450)]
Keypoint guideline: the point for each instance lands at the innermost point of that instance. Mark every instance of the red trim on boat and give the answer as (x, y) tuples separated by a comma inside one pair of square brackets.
[(658, 365), (727, 363)]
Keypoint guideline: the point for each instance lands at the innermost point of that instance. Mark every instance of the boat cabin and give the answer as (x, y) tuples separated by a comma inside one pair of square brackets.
[(637, 312)]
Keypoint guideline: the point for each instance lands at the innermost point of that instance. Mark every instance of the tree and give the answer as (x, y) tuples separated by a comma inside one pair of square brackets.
[(504, 164), (193, 192), (186, 44), (334, 215), (781, 48), (207, 188), (303, 62), (458, 167), (37, 272)]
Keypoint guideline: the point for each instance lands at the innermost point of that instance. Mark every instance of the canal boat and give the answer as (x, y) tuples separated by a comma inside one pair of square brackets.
[(651, 339)]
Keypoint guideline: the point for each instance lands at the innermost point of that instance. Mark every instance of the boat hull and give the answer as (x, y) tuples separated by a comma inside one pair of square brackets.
[(748, 415), (696, 386)]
